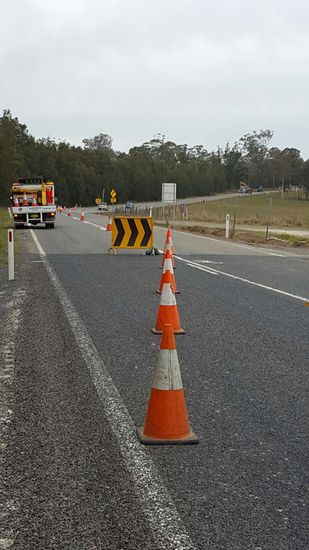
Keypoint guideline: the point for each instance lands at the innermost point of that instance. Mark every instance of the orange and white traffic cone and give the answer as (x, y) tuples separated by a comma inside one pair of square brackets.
[(167, 420), (168, 274), (173, 249), (34, 203), (168, 312), (109, 224), (82, 215), (167, 238), (168, 246), (69, 213), (25, 200)]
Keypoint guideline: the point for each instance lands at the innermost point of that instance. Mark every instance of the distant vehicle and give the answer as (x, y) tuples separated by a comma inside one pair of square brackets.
[(33, 202), (129, 205), (260, 189), (103, 207), (244, 188)]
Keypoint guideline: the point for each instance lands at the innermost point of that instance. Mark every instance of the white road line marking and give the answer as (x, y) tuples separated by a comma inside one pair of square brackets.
[(213, 239), (201, 268), (208, 262), (244, 280), (36, 240), (90, 223), (156, 503)]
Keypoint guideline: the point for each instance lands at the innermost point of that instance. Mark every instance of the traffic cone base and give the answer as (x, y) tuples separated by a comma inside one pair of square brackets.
[(159, 331), (167, 418), (188, 440)]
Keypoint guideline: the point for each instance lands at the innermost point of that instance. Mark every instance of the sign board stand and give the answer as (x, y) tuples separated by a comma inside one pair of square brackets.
[(169, 197)]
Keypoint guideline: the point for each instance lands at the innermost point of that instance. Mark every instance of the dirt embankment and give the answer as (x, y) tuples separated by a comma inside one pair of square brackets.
[(249, 237)]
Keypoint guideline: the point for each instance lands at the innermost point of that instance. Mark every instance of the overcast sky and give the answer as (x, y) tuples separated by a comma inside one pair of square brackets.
[(198, 71)]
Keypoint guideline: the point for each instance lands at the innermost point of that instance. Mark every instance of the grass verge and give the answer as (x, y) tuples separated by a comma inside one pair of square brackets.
[(254, 210), (5, 223)]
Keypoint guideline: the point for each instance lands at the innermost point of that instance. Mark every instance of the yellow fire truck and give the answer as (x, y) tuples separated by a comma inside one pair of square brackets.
[(33, 202)]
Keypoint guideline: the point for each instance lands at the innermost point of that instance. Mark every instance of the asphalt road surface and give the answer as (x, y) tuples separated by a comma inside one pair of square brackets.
[(78, 356)]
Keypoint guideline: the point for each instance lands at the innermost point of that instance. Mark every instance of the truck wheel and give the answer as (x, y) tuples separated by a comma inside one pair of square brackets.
[(50, 226)]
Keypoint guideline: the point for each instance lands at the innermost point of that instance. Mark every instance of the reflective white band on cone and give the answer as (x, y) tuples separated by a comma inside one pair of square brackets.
[(167, 373), (167, 296), (168, 265)]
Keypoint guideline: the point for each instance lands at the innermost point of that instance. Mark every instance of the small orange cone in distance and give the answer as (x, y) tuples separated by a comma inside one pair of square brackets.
[(82, 216), (167, 237), (25, 200), (109, 224), (69, 213), (168, 247), (168, 274), (168, 234), (171, 241), (168, 312), (34, 203), (166, 420)]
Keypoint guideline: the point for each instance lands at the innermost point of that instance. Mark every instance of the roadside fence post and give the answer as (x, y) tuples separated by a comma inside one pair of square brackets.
[(227, 226), (11, 254)]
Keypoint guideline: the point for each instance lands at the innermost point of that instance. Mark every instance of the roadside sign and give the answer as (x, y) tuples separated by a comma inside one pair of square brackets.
[(169, 192), (98, 200), (113, 200), (132, 232), (113, 194)]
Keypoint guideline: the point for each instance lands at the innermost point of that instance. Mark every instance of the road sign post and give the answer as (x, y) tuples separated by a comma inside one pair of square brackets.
[(11, 273), (113, 199), (227, 226), (169, 196)]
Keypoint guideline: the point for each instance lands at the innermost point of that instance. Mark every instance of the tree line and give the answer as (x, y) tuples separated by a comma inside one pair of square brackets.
[(81, 172)]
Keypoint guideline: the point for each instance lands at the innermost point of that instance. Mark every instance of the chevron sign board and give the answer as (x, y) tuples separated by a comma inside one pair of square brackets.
[(132, 232)]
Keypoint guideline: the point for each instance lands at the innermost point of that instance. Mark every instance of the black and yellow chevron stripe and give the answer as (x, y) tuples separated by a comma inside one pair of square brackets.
[(132, 232)]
